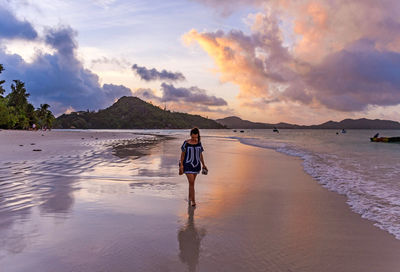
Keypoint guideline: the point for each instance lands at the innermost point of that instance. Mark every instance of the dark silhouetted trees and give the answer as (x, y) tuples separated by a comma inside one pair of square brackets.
[(45, 116), (17, 113)]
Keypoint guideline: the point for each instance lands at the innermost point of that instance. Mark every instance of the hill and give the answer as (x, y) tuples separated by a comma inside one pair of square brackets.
[(132, 113), (236, 122), (363, 123)]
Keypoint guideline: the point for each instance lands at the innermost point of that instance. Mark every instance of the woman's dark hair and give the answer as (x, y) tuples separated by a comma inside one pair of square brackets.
[(195, 130)]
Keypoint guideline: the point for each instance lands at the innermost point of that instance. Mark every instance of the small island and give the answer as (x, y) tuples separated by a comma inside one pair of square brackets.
[(133, 113)]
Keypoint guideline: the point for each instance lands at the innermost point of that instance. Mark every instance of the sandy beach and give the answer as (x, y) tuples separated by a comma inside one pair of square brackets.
[(114, 202), (40, 145)]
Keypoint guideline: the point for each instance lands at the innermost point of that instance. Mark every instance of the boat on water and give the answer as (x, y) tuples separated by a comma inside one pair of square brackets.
[(275, 130), (376, 138), (385, 139)]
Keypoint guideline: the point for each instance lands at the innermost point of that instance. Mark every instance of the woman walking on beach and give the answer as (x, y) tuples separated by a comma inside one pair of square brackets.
[(191, 157)]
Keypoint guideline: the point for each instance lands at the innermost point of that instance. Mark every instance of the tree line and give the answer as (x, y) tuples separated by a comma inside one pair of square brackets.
[(17, 113)]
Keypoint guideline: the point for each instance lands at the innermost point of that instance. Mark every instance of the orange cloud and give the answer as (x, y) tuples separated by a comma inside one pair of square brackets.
[(258, 64), (233, 61), (342, 56)]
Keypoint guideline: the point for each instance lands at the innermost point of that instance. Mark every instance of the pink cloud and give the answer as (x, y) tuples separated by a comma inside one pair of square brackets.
[(346, 55)]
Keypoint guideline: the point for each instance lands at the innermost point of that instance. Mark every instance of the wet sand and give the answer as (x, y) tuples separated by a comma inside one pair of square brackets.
[(18, 145), (257, 211)]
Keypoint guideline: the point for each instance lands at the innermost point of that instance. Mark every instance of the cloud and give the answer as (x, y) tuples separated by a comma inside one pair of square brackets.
[(113, 92), (60, 79), (342, 55), (357, 76), (190, 95), (193, 108), (62, 39), (153, 74), (12, 28), (253, 62), (113, 62), (193, 100), (147, 95)]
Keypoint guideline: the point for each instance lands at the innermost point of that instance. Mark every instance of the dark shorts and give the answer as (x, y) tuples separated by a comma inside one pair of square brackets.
[(189, 169)]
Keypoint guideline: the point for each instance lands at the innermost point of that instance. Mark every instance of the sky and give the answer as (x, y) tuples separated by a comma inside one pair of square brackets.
[(304, 61)]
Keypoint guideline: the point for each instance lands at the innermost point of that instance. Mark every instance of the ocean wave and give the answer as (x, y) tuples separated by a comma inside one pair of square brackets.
[(371, 191)]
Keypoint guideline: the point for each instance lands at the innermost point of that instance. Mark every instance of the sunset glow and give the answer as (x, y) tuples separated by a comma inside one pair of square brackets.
[(303, 62)]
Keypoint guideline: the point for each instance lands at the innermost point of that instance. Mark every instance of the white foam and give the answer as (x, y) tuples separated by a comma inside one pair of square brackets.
[(371, 191)]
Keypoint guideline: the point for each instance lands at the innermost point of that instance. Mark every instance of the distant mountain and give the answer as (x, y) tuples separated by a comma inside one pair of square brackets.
[(362, 123), (132, 113), (236, 122)]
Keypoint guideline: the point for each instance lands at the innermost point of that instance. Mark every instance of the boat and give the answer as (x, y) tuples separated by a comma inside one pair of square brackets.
[(234, 130), (385, 139), (344, 131), (242, 131), (275, 130)]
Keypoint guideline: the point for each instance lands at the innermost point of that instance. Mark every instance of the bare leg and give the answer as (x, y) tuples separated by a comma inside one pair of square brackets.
[(193, 194), (191, 178)]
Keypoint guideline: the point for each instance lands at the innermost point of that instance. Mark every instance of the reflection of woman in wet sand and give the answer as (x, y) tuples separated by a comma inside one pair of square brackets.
[(191, 157), (189, 238)]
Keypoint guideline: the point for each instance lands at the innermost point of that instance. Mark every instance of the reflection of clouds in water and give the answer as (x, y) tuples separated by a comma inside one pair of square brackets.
[(25, 187), (169, 159), (59, 198), (32, 189), (50, 183), (13, 237), (149, 157), (163, 163), (189, 238)]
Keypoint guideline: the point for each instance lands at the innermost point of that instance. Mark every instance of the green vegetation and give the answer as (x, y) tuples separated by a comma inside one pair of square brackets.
[(17, 113), (130, 113)]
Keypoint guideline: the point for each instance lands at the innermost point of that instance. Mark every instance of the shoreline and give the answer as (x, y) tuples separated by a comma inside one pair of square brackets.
[(347, 175), (257, 210)]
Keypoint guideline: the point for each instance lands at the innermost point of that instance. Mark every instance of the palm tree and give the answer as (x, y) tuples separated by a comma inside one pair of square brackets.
[(43, 109), (17, 102), (31, 114), (45, 116), (18, 97), (49, 118), (1, 81)]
